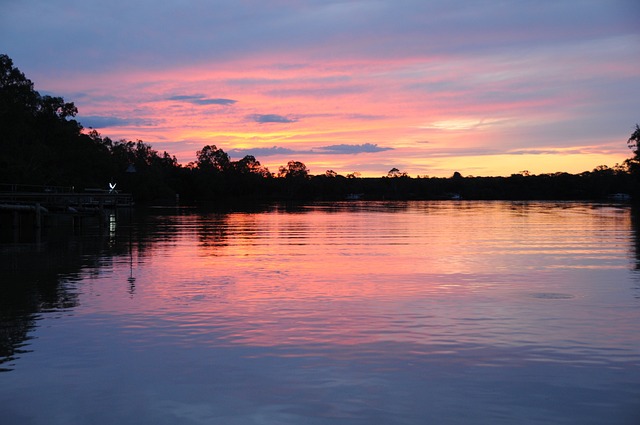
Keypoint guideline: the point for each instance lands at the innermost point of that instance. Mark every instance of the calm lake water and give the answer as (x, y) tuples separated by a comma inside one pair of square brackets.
[(342, 313)]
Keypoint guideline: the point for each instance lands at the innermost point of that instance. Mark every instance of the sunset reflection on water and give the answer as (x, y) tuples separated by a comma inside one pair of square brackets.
[(414, 303), (350, 274)]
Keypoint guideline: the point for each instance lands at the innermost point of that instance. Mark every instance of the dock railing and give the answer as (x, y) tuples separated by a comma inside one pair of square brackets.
[(62, 198)]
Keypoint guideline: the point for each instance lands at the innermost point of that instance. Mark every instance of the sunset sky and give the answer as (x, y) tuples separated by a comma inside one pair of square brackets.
[(428, 87)]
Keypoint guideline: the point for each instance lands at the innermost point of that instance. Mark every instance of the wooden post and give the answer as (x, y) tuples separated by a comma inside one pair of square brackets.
[(38, 216), (102, 218)]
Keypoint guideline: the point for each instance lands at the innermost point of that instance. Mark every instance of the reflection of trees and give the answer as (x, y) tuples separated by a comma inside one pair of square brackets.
[(635, 226), (635, 229), (143, 230), (215, 227), (36, 278), (213, 230)]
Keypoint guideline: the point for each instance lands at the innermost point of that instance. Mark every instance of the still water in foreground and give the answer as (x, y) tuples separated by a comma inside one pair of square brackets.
[(348, 313)]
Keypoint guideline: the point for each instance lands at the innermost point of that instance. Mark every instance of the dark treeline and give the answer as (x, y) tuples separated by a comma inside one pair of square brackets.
[(42, 144)]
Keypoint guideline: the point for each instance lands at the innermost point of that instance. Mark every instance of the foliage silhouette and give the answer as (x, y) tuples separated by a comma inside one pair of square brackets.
[(294, 170), (212, 159)]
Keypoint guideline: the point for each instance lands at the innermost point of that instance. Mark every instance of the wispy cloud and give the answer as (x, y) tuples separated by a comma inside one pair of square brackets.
[(344, 149), (202, 100), (270, 118), (548, 152), (95, 121), (260, 152)]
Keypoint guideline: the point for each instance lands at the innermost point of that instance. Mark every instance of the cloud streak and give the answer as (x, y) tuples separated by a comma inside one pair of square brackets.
[(106, 122), (270, 118), (202, 100), (261, 152), (345, 149)]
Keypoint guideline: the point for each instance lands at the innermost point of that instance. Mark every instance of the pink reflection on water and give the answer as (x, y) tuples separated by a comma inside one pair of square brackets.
[(430, 274)]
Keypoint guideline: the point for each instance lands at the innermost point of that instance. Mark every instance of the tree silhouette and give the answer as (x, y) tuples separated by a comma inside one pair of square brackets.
[(39, 136), (634, 140), (633, 143), (394, 172), (250, 165), (294, 169), (210, 158), (633, 164)]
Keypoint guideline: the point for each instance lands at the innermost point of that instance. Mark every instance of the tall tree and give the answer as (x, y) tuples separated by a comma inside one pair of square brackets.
[(39, 139), (634, 141), (210, 158), (250, 165), (633, 163), (294, 169)]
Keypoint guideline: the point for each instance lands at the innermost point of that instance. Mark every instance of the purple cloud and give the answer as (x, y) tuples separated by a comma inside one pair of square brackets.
[(94, 121), (202, 100), (352, 149), (269, 118), (260, 152)]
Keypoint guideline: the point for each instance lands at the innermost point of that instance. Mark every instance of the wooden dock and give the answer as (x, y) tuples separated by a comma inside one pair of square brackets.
[(24, 205)]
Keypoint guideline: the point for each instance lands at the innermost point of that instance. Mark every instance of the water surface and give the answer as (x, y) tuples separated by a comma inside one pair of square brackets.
[(347, 313)]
